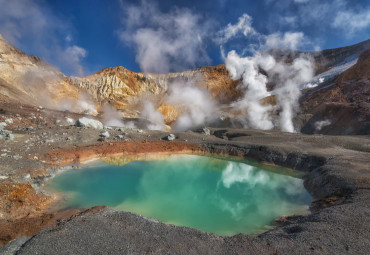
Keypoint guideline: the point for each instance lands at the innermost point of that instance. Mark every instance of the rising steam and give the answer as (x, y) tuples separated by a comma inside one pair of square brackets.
[(196, 104), (153, 115), (256, 71)]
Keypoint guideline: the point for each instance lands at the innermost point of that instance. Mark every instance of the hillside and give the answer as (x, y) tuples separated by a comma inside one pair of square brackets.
[(342, 99), (342, 102)]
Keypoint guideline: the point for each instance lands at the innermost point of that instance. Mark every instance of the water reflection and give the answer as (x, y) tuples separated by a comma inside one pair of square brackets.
[(210, 194)]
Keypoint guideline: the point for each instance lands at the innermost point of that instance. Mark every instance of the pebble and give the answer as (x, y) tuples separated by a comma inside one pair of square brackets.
[(206, 131), (105, 134), (9, 121), (9, 137)]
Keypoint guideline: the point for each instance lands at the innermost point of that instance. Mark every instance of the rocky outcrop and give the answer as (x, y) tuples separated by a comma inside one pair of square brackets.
[(23, 76), (120, 86), (328, 58), (342, 101)]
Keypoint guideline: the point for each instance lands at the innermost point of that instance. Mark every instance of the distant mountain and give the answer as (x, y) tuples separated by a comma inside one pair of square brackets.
[(337, 95)]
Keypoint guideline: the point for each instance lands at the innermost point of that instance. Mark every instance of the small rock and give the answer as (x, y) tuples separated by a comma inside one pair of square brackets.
[(206, 131), (9, 137), (9, 121), (171, 137), (105, 134), (119, 136), (2, 125), (70, 121)]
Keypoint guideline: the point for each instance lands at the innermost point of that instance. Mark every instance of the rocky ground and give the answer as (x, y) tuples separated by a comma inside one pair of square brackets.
[(36, 143)]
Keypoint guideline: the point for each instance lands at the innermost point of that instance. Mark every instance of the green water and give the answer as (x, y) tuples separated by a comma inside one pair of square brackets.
[(214, 195)]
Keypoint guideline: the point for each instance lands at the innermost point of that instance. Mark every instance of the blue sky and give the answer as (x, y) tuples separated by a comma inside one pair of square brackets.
[(82, 37)]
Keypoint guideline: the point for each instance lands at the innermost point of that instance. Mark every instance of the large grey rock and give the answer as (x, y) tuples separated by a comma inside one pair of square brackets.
[(86, 122)]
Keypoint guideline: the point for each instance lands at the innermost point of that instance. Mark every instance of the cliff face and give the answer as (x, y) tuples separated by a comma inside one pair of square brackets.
[(120, 86)]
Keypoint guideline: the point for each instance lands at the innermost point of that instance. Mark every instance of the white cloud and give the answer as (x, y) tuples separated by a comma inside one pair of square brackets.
[(346, 18), (244, 25), (288, 40), (290, 21), (165, 42), (351, 22), (46, 35)]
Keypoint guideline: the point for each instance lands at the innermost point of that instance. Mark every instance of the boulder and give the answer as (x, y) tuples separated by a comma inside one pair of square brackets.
[(86, 122)]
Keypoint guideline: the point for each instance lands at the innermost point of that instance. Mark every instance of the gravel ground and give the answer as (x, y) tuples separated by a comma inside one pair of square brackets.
[(336, 173)]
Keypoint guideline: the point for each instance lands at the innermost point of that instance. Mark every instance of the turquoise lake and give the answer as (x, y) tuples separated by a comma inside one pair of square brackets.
[(214, 195)]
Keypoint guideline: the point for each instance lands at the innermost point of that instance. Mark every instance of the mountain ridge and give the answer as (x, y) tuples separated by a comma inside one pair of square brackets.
[(23, 76)]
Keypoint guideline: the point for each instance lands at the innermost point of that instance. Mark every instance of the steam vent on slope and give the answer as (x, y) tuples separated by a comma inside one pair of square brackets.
[(226, 136)]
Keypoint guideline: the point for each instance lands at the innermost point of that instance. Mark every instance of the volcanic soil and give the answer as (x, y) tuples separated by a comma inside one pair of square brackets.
[(336, 173)]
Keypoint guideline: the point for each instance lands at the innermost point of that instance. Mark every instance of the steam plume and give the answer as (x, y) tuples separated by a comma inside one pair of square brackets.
[(287, 78), (155, 117), (197, 104)]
